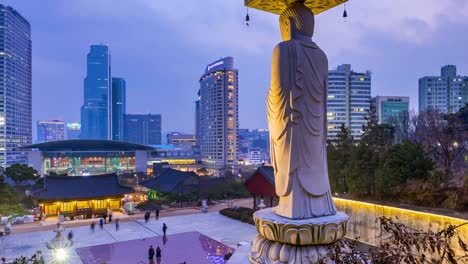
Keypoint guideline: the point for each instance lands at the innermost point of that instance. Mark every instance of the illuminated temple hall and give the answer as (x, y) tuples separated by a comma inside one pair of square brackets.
[(88, 157), (80, 196)]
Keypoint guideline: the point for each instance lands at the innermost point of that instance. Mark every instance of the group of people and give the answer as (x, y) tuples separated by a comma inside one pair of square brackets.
[(151, 252), (148, 215), (102, 221)]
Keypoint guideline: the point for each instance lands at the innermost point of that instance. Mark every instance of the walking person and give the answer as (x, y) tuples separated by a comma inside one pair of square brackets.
[(151, 253), (158, 252), (117, 224), (101, 223), (92, 226), (157, 214), (147, 216), (164, 228), (70, 235), (110, 215)]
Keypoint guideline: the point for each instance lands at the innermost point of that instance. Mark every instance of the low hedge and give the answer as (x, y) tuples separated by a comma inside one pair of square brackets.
[(240, 213)]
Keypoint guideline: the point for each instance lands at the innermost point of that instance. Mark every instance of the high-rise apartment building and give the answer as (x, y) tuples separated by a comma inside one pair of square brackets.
[(349, 96), (118, 108), (447, 92), (15, 86), (96, 114), (390, 108), (217, 117), (53, 130), (143, 129), (73, 130)]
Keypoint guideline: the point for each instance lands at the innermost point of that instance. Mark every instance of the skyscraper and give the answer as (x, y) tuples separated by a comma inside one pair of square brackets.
[(50, 131), (15, 86), (390, 107), (73, 130), (217, 116), (143, 129), (349, 96), (96, 117), (447, 92), (118, 108)]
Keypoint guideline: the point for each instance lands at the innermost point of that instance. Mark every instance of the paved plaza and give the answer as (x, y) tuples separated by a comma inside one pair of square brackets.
[(213, 225)]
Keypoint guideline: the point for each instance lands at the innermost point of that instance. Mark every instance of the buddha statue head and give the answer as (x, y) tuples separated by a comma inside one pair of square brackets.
[(297, 20)]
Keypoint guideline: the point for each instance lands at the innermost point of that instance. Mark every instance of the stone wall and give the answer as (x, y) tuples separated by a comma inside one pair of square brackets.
[(365, 225)]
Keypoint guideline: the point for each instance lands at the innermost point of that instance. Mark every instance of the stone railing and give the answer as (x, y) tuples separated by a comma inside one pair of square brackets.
[(365, 225)]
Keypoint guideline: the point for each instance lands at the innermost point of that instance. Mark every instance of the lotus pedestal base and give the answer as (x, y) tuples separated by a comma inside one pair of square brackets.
[(282, 240)]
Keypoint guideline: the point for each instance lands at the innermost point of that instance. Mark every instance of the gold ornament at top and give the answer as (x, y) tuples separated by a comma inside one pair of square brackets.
[(278, 6)]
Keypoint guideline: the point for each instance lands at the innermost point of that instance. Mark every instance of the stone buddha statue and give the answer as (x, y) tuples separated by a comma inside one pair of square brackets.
[(296, 105)]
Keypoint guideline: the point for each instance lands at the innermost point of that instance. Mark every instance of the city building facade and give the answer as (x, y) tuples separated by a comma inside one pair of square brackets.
[(349, 100), (53, 130), (96, 115), (390, 108), (184, 141), (119, 106), (15, 86), (254, 146), (447, 92), (85, 157), (143, 129), (217, 116), (73, 130)]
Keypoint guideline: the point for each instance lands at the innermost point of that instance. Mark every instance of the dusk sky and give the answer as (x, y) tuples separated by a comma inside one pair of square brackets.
[(162, 47)]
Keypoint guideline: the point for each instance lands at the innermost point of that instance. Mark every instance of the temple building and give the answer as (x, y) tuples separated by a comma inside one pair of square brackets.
[(80, 197), (261, 184)]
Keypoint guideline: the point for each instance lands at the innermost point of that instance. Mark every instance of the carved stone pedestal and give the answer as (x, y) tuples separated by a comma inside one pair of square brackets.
[(284, 240)]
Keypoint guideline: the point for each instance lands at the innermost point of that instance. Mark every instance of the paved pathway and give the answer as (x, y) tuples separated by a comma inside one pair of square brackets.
[(50, 224), (214, 225)]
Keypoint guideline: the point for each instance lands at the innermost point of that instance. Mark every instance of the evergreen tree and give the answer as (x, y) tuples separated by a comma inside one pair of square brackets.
[(339, 159)]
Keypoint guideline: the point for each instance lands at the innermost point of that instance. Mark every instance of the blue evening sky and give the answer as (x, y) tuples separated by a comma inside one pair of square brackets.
[(162, 47)]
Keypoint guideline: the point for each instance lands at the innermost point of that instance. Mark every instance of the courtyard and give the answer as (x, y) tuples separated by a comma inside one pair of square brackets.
[(213, 225)]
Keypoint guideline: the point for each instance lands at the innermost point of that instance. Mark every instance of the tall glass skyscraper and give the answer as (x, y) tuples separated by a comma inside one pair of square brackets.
[(96, 116), (349, 99), (118, 108), (447, 92), (50, 131), (73, 130), (15, 86), (143, 129), (217, 117)]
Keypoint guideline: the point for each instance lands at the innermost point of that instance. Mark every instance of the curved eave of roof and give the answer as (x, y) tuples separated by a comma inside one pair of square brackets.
[(87, 145), (79, 187), (266, 171)]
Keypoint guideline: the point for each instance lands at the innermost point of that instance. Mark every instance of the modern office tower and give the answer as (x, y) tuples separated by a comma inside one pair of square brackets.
[(96, 115), (390, 108), (180, 140), (118, 108), (218, 118), (15, 86), (73, 130), (446, 92), (349, 95), (143, 129), (53, 130)]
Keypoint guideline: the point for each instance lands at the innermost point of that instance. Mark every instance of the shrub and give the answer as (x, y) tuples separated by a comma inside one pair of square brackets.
[(240, 213)]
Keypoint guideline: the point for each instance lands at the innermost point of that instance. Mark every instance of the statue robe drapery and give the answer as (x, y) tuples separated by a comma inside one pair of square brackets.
[(296, 105)]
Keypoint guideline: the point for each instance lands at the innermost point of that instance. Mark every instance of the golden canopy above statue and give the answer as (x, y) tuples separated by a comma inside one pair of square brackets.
[(278, 6)]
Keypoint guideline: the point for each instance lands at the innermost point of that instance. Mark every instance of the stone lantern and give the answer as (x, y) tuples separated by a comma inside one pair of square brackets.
[(59, 246)]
